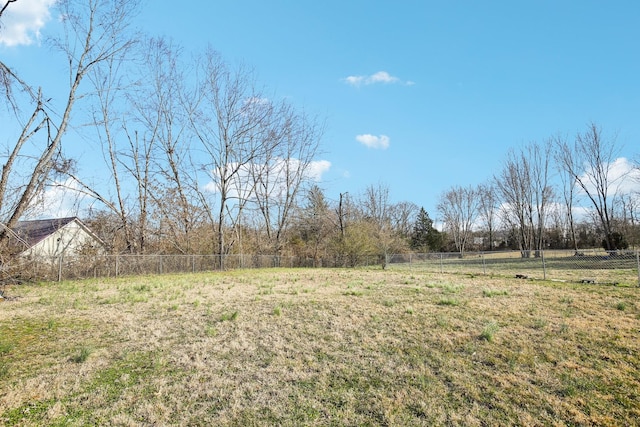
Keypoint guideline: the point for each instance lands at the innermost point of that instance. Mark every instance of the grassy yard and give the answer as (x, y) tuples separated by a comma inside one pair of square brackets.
[(319, 347)]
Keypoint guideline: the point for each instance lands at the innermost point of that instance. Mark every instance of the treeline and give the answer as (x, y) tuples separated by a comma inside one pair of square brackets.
[(199, 158), (353, 227), (563, 193)]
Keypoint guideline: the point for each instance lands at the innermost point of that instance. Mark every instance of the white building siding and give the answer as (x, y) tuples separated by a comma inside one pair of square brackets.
[(68, 240)]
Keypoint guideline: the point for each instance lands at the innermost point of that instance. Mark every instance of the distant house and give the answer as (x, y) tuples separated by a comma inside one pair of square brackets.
[(54, 237)]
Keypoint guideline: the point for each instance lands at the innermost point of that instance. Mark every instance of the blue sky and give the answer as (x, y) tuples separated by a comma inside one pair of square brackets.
[(418, 96)]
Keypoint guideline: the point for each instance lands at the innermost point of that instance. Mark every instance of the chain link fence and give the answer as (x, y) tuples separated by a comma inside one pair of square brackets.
[(586, 266), (94, 266), (589, 266)]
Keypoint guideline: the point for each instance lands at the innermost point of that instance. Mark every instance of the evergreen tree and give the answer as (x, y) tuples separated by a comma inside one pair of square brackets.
[(424, 236)]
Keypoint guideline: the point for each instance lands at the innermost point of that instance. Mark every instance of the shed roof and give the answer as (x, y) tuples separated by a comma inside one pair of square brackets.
[(33, 232)]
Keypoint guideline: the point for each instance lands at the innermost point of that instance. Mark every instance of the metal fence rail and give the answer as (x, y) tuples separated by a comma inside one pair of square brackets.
[(594, 266)]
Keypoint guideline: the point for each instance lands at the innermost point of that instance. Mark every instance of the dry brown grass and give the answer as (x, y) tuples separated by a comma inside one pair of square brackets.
[(319, 347)]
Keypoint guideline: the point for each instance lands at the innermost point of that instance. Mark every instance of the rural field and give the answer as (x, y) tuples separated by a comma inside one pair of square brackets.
[(342, 347)]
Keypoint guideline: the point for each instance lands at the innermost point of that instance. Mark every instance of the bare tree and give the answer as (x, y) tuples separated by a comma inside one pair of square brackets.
[(286, 168), (344, 213), (110, 84), (403, 216), (526, 192), (315, 223), (564, 157), (161, 108), (488, 209), (376, 210), (514, 184), (542, 191), (7, 76), (94, 31), (589, 162), (375, 204), (232, 127), (459, 210)]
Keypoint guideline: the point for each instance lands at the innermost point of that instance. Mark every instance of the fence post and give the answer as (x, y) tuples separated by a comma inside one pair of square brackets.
[(638, 264), (484, 266), (544, 265), (441, 261), (60, 268)]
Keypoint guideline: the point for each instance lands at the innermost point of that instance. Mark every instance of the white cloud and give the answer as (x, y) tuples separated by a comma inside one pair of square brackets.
[(23, 20), (382, 77), (376, 142), (316, 169), (622, 176), (60, 200), (379, 77)]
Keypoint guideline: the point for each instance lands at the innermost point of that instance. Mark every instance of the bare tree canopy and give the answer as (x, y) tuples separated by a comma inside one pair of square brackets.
[(589, 161), (488, 209), (459, 209), (524, 184), (93, 32)]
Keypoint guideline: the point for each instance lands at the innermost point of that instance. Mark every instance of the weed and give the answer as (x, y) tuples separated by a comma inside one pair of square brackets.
[(408, 310), (82, 354), (451, 289), (132, 299), (4, 367), (277, 311), (442, 321), (492, 293), (229, 316), (448, 301), (79, 305), (388, 303), (353, 293), (540, 323), (622, 306), (489, 331)]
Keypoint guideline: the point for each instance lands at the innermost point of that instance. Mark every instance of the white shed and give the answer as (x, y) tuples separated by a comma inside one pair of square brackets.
[(55, 237)]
